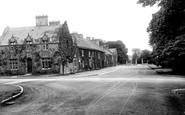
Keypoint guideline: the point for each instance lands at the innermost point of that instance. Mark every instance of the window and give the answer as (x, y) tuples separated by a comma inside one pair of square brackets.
[(13, 64), (1, 63), (12, 44), (28, 45), (46, 63), (92, 54), (89, 53), (83, 64), (75, 62), (45, 41), (45, 44), (82, 53), (98, 55)]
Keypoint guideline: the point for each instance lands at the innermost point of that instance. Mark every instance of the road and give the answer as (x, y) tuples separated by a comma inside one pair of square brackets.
[(121, 90)]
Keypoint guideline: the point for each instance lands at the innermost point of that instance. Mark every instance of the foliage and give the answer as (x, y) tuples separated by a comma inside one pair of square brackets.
[(121, 50), (66, 48), (166, 30), (134, 58), (37, 64), (145, 56)]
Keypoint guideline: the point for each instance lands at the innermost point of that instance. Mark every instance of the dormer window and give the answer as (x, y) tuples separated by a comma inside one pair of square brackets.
[(28, 42), (12, 42), (45, 45), (45, 41)]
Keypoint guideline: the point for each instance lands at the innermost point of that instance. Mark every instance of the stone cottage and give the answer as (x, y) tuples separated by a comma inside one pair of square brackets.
[(32, 50)]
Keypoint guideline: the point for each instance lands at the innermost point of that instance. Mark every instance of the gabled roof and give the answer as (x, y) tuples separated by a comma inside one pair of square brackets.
[(35, 32), (85, 43)]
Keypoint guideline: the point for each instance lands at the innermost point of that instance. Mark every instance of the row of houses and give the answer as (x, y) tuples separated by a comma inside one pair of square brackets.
[(34, 50)]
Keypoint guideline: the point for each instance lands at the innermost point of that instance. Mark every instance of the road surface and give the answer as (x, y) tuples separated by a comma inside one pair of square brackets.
[(121, 90)]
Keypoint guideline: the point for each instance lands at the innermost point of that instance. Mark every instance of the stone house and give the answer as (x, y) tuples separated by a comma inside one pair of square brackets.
[(114, 56), (29, 49), (33, 50), (89, 56)]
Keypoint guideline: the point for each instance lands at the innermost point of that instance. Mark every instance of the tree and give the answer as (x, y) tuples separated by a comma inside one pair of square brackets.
[(65, 48), (121, 50), (136, 54), (166, 31), (145, 56), (134, 58)]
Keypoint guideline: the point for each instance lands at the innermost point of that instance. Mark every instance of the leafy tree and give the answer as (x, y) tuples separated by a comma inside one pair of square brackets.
[(66, 48), (134, 58), (121, 50), (145, 56), (166, 30)]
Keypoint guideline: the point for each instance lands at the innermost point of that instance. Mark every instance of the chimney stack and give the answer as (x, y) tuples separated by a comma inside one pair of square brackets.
[(53, 23), (88, 38), (97, 41), (42, 20)]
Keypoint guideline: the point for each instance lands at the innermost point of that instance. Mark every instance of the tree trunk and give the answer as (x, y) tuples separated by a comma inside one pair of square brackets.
[(59, 68), (62, 68)]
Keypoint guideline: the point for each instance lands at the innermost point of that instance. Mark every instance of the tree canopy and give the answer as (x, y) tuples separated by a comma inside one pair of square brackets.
[(121, 50), (166, 30), (145, 56)]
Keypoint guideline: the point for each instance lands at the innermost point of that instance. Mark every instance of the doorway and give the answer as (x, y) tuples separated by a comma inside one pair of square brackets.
[(29, 65)]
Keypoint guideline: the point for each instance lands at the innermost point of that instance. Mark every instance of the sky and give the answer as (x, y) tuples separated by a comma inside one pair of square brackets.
[(109, 20)]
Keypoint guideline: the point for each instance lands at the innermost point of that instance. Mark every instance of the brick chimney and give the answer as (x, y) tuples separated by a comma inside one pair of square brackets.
[(42, 20)]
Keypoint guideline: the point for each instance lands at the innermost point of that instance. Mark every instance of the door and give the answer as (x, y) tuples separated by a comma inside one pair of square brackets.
[(29, 65)]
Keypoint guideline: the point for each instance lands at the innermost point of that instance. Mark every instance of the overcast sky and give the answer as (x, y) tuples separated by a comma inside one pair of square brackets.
[(109, 20)]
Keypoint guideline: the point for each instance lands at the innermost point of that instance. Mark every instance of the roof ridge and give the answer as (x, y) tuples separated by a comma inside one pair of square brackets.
[(10, 28), (21, 27)]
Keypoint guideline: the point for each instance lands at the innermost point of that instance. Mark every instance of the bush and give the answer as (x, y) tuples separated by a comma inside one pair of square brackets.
[(12, 72)]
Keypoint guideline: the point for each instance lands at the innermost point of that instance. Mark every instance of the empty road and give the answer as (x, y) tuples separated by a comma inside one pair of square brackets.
[(120, 90)]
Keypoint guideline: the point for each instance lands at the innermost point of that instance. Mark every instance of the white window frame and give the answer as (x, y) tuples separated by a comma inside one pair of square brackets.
[(13, 64), (46, 63)]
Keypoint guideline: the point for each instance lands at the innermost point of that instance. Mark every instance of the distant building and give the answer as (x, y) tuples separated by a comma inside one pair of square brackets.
[(135, 55), (89, 55), (115, 56)]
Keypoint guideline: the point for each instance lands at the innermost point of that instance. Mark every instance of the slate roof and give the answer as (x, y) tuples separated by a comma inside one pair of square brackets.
[(107, 51), (21, 33), (87, 44), (37, 32)]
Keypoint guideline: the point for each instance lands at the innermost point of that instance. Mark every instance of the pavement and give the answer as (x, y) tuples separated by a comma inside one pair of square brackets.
[(6, 91), (120, 90)]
